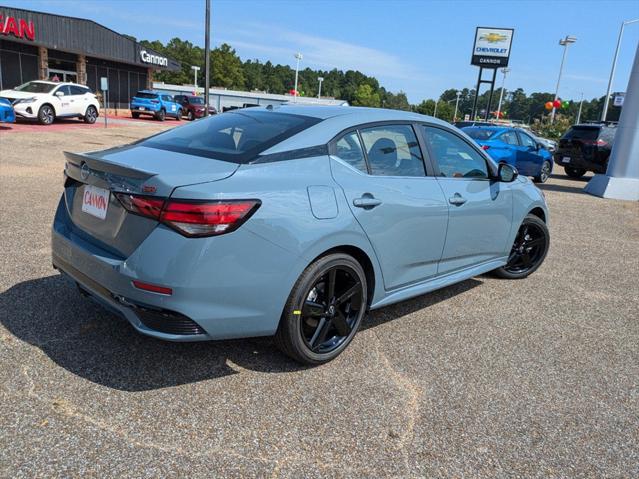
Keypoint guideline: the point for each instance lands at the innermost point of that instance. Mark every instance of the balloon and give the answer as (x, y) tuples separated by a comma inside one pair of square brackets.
[(548, 105), (556, 104), (565, 104)]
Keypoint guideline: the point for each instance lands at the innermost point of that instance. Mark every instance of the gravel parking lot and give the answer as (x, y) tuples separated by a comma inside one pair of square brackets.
[(490, 378)]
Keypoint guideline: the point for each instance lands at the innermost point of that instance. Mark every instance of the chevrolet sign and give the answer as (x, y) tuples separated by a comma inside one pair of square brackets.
[(146, 57), (492, 47)]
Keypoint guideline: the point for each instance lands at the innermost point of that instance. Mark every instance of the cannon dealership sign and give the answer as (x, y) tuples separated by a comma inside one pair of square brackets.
[(17, 27), (492, 47)]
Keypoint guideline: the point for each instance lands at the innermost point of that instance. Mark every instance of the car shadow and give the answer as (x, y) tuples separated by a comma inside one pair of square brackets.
[(90, 342), (563, 188)]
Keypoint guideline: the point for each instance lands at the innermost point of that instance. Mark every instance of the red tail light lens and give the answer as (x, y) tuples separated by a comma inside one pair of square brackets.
[(192, 218), (155, 101), (601, 142), (485, 147), (154, 288)]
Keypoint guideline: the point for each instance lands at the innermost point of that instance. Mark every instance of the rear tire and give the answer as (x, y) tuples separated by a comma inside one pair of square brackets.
[(46, 115), (160, 115), (529, 249), (135, 115), (544, 173), (91, 115), (319, 320), (574, 172)]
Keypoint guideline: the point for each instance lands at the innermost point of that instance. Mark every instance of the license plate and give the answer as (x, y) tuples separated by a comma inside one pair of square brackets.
[(95, 201), (565, 159), (141, 108)]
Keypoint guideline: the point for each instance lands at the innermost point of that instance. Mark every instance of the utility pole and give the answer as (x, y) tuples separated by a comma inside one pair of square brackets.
[(195, 70), (207, 57), (298, 57), (564, 42), (456, 105), (319, 91), (581, 103), (501, 95), (604, 113)]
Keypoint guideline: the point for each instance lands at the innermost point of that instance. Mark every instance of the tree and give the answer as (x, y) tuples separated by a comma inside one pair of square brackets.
[(365, 96), (227, 68)]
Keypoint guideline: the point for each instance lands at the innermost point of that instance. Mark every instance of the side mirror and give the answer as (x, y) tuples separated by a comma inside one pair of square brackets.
[(507, 173), (59, 93)]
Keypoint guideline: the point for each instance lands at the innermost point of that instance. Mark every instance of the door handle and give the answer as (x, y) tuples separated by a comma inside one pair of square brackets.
[(457, 200), (366, 202)]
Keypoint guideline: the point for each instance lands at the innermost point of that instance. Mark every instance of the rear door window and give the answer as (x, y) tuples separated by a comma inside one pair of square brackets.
[(509, 137), (237, 136), (349, 149), (392, 150), (527, 140)]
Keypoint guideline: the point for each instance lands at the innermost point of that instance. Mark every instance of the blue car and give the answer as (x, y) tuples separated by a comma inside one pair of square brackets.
[(7, 114), (515, 147), (157, 104), (291, 221)]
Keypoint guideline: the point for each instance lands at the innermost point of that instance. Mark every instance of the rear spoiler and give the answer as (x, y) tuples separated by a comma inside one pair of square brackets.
[(99, 164)]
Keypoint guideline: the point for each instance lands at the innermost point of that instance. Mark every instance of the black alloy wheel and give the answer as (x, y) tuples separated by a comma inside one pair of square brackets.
[(160, 115), (190, 116), (179, 115), (324, 310), (574, 172), (91, 115), (544, 173), (135, 115), (529, 249), (46, 115)]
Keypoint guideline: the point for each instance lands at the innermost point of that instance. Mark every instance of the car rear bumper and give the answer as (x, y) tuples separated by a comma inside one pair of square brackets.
[(578, 161), (217, 293)]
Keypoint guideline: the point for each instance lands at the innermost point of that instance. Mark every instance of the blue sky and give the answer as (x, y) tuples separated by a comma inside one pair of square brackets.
[(420, 47)]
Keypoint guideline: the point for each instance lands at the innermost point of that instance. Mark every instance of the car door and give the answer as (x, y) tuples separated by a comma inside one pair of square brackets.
[(62, 101), (510, 148), (400, 208), (529, 161), (170, 105), (78, 101), (480, 207)]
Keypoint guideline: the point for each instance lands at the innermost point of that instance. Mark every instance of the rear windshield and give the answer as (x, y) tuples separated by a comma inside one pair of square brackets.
[(36, 87), (142, 94), (237, 136), (480, 133), (582, 133), (196, 100)]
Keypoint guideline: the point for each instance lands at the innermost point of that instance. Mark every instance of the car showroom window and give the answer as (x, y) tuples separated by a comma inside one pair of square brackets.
[(526, 140), (349, 149), (393, 150), (455, 157), (509, 137)]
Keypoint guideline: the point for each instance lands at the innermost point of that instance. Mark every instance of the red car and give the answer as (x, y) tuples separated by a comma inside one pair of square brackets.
[(193, 106)]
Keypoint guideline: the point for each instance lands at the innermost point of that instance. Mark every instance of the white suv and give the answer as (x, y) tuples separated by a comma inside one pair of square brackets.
[(46, 101)]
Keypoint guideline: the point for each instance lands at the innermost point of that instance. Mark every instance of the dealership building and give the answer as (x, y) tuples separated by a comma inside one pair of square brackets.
[(43, 46)]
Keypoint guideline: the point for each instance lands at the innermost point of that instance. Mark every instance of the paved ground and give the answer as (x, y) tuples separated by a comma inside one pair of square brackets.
[(489, 378), (74, 124)]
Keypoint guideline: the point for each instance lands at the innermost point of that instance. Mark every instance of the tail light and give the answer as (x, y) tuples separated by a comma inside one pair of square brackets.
[(601, 142), (155, 101), (192, 218), (485, 147)]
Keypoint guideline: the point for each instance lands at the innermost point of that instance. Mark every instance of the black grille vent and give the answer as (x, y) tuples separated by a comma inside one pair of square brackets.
[(168, 322)]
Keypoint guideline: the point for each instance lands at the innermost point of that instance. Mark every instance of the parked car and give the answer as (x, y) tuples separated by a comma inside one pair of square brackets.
[(550, 145), (585, 148), (157, 104), (7, 115), (193, 106), (515, 147), (290, 221), (45, 101), (465, 123)]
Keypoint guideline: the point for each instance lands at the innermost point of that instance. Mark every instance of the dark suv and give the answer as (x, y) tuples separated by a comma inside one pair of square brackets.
[(585, 148), (193, 106)]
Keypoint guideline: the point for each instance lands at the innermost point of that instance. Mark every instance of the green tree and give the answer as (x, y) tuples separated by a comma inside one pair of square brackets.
[(366, 96), (227, 68)]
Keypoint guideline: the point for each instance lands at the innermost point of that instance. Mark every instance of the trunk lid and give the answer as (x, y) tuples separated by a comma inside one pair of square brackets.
[(94, 178)]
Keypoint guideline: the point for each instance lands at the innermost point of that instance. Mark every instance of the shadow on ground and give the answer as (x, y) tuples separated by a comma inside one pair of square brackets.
[(92, 343)]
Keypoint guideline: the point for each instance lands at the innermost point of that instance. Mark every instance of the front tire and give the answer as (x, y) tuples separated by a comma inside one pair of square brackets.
[(529, 249), (324, 310), (179, 115), (190, 116), (544, 173), (46, 115), (91, 115), (574, 172)]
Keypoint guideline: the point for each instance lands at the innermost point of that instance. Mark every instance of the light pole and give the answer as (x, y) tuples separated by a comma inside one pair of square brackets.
[(564, 42), (195, 70), (298, 57), (435, 112), (604, 113), (207, 56), (581, 103), (456, 105), (319, 91), (501, 95)]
